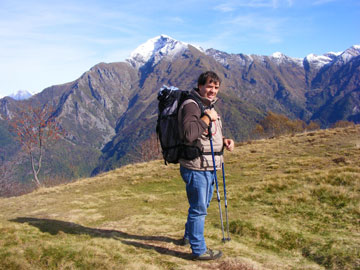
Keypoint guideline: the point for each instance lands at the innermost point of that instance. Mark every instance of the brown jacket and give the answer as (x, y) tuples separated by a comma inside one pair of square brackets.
[(194, 131)]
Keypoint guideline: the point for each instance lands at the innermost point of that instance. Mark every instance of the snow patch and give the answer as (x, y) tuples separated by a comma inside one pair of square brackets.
[(318, 60), (333, 55), (21, 95), (280, 58), (278, 55), (219, 56), (356, 110), (347, 55), (226, 59)]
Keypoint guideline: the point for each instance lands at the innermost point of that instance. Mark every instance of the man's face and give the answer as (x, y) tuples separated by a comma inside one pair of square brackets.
[(210, 89)]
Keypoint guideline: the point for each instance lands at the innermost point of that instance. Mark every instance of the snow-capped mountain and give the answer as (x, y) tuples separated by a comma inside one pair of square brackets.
[(21, 95), (162, 46), (315, 61), (280, 58), (155, 49), (338, 58), (319, 61), (348, 54)]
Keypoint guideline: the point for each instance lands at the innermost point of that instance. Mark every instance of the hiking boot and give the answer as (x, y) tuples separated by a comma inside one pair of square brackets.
[(184, 242), (209, 255)]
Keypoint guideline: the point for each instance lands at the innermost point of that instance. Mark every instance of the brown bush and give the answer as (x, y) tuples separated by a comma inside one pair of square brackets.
[(343, 123), (274, 125)]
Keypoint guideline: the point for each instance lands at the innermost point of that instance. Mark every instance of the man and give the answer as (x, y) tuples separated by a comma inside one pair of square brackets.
[(197, 171)]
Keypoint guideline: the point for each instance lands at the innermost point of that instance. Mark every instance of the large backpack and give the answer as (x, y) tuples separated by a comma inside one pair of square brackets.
[(167, 128)]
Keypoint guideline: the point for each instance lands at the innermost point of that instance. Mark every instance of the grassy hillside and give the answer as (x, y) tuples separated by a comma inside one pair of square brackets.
[(294, 203)]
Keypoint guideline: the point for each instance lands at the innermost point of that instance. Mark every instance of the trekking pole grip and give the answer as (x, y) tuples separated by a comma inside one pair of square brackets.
[(209, 130)]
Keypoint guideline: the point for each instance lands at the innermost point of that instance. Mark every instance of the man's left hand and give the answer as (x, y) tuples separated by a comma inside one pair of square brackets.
[(229, 144)]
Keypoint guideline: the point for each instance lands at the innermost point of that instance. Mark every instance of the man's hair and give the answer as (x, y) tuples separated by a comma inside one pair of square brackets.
[(208, 74)]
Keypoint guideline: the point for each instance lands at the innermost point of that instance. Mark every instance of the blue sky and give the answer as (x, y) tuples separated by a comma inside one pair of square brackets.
[(44, 43)]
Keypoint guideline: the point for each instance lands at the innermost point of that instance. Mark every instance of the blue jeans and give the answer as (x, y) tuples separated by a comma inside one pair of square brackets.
[(199, 190)]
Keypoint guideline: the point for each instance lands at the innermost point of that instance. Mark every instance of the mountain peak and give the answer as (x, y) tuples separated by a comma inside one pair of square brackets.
[(348, 54), (278, 55), (156, 48), (21, 95), (280, 58)]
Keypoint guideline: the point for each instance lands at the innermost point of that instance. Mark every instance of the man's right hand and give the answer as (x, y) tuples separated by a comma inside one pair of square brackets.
[(212, 113)]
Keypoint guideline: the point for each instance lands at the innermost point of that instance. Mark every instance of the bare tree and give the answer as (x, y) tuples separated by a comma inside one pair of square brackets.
[(35, 128)]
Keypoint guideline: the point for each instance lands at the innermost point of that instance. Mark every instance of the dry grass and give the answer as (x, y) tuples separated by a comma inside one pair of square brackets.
[(294, 203)]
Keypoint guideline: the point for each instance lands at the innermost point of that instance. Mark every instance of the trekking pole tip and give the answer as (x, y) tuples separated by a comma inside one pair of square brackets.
[(226, 239)]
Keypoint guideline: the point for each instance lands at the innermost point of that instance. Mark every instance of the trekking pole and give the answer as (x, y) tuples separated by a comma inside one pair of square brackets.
[(226, 205), (216, 182)]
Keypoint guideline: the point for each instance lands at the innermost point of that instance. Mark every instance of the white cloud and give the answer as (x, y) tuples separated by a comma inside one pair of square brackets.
[(268, 29), (264, 3), (176, 19), (118, 55), (226, 7), (257, 3), (280, 3), (322, 2), (232, 5)]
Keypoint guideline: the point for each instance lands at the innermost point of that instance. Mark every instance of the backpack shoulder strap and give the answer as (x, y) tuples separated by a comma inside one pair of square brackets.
[(187, 101), (194, 99)]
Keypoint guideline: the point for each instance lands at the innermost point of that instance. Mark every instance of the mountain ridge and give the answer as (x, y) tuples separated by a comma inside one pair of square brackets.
[(21, 95), (111, 109)]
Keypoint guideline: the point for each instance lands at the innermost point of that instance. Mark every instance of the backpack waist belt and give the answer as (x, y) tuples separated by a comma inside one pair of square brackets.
[(215, 153)]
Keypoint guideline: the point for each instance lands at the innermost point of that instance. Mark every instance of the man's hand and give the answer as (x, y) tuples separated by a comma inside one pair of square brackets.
[(229, 144), (212, 113)]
